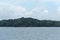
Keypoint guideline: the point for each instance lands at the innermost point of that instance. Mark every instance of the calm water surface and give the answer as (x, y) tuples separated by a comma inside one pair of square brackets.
[(30, 33)]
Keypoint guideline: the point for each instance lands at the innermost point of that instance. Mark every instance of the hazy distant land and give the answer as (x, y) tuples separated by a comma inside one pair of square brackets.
[(28, 22)]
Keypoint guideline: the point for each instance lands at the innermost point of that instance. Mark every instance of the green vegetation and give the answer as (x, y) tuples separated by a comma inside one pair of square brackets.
[(29, 22)]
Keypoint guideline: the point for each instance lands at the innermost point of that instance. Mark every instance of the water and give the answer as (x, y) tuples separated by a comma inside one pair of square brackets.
[(30, 33)]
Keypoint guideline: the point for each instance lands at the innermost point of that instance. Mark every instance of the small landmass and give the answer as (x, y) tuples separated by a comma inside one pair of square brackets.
[(28, 22)]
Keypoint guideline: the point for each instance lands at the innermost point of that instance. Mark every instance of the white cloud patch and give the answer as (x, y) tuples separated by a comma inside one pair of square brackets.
[(40, 10), (45, 11), (58, 9)]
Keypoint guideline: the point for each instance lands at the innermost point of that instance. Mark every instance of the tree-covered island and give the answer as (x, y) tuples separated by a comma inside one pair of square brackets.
[(28, 22)]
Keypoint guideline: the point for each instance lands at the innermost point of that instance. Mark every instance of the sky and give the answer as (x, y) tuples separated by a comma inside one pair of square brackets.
[(39, 9)]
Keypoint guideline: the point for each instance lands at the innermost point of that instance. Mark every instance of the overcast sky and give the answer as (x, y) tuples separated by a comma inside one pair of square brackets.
[(39, 9)]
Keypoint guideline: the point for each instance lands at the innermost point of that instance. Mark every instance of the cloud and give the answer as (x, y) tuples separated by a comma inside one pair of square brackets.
[(41, 1), (47, 0), (40, 10), (8, 11), (45, 11), (16, 0), (58, 9), (42, 13)]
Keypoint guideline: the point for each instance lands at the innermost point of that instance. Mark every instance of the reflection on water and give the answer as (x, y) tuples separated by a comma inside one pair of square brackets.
[(30, 33)]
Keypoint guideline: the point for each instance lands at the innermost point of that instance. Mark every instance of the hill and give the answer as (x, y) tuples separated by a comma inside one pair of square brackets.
[(28, 22)]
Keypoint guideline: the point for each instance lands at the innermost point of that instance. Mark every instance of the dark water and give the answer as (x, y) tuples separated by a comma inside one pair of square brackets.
[(30, 33)]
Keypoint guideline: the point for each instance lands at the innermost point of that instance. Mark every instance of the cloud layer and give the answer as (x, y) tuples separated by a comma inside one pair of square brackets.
[(40, 9), (11, 11)]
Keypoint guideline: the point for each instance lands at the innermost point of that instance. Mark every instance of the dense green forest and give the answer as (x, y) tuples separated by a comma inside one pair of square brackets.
[(28, 22)]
